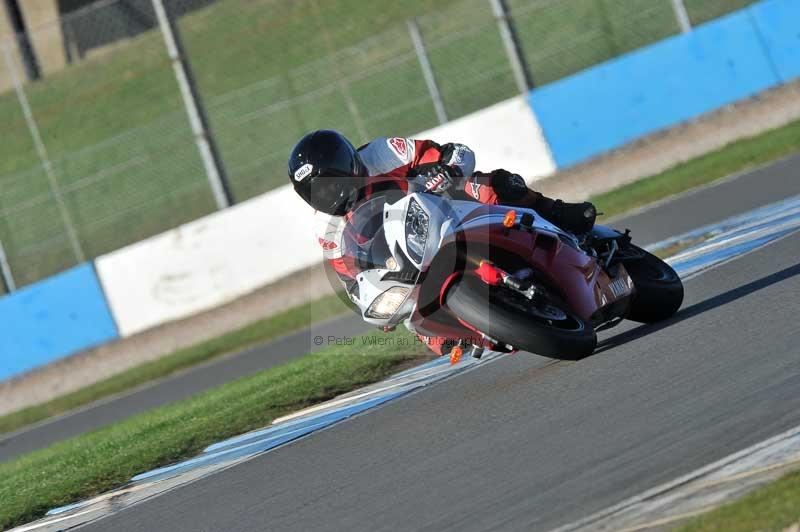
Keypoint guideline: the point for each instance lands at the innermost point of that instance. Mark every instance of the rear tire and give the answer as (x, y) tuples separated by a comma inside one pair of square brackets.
[(501, 313), (659, 290)]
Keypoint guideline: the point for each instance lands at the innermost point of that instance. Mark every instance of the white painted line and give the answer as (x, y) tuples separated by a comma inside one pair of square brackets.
[(50, 521), (759, 455), (666, 520), (696, 190), (758, 215), (330, 405), (413, 381)]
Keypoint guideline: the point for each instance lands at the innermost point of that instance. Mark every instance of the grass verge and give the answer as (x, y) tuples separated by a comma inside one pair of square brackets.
[(772, 507), (95, 462), (120, 144), (735, 157), (266, 329)]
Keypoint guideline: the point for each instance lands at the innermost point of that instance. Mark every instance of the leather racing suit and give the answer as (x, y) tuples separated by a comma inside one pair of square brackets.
[(399, 164)]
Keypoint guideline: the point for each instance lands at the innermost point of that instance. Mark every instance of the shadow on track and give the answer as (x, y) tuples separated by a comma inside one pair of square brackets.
[(699, 308)]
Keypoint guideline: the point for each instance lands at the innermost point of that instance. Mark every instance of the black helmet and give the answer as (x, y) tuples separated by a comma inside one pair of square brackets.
[(327, 171)]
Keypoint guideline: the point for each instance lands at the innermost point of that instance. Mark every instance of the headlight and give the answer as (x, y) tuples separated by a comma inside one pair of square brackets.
[(416, 230), (386, 304)]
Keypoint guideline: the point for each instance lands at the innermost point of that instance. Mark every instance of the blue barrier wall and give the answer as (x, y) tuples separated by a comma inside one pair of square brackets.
[(778, 23), (669, 82), (52, 319)]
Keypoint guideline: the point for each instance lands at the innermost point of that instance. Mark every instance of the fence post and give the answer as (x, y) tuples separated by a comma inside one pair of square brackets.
[(212, 161), (427, 71), (516, 57), (41, 151), (682, 16), (20, 33), (70, 40), (5, 270)]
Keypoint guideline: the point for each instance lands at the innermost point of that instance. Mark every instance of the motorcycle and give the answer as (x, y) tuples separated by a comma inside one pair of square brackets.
[(501, 278)]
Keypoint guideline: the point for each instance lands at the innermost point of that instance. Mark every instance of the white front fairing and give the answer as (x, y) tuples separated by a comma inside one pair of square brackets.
[(444, 221)]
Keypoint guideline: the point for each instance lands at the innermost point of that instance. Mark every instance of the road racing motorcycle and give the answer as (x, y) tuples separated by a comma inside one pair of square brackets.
[(500, 278)]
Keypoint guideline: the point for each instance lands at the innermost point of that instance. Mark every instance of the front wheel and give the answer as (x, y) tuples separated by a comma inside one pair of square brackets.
[(659, 290), (544, 328)]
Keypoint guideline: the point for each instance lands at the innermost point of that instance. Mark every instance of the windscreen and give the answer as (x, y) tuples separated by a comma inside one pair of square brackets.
[(365, 241), (365, 248)]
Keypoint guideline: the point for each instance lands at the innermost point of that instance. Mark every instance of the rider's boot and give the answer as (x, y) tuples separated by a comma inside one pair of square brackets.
[(577, 218), (510, 188)]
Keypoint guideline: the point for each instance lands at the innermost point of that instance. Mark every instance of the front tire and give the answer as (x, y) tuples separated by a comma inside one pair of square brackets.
[(509, 317), (659, 290)]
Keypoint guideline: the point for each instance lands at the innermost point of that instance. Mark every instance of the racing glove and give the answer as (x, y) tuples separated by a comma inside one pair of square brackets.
[(439, 178), (509, 187)]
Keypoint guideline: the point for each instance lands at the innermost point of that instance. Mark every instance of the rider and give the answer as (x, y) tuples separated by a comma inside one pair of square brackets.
[(332, 176)]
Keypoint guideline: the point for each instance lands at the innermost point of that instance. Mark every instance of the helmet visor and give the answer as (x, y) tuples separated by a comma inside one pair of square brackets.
[(331, 195)]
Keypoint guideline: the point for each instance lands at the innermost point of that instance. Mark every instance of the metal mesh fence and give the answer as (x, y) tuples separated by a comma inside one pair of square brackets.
[(363, 91), (119, 146), (561, 37), (116, 20), (120, 162), (701, 11)]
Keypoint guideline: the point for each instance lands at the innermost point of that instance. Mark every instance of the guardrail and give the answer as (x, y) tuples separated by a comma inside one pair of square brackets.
[(53, 318), (217, 258), (675, 80), (223, 256), (228, 254)]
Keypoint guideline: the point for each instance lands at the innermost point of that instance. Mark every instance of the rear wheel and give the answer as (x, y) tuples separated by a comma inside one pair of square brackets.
[(542, 327), (659, 290)]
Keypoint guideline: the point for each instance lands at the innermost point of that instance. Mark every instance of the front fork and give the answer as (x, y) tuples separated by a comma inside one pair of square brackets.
[(492, 276)]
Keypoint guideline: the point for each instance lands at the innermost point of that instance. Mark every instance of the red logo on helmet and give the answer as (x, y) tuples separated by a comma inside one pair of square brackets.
[(399, 146)]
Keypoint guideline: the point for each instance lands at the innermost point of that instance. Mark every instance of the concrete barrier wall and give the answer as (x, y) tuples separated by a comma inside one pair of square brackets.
[(505, 135), (217, 258), (778, 25), (51, 319), (672, 81), (223, 256), (209, 261)]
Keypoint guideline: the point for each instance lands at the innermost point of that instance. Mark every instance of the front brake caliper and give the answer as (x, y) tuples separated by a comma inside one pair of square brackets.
[(494, 276), (491, 274)]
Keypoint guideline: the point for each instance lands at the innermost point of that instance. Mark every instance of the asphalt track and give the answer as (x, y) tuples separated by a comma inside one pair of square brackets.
[(671, 217), (524, 443), (176, 387)]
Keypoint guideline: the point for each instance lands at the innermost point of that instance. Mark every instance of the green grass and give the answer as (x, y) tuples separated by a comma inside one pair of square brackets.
[(260, 331), (735, 157), (704, 10), (775, 506), (732, 158), (95, 462), (269, 71)]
